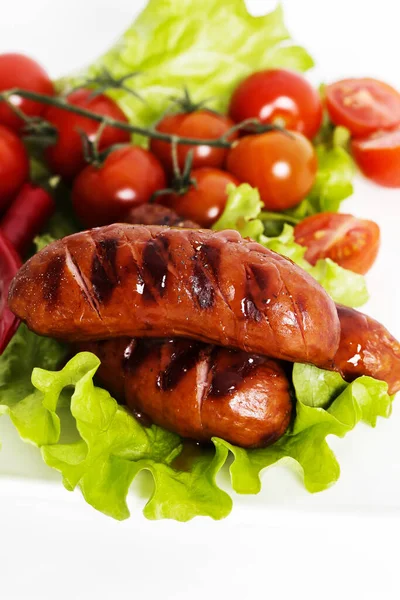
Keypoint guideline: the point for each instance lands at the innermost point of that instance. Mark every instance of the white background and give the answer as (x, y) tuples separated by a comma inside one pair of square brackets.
[(339, 544)]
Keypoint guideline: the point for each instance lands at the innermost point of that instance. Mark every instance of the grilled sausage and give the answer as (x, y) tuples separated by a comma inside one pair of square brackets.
[(157, 214), (366, 348), (137, 281), (198, 390)]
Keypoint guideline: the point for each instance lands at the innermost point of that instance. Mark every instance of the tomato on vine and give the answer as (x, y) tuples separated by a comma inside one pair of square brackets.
[(205, 199), (281, 165), (201, 124), (105, 194), (65, 157), (281, 97), (19, 71)]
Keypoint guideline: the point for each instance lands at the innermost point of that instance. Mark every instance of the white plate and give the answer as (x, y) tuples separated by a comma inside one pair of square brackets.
[(285, 539)]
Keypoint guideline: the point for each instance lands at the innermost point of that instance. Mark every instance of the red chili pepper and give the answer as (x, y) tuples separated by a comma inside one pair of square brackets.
[(10, 262), (26, 216), (24, 219)]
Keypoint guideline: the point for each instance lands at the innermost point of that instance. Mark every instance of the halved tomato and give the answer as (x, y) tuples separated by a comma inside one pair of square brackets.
[(363, 105), (352, 243), (378, 157)]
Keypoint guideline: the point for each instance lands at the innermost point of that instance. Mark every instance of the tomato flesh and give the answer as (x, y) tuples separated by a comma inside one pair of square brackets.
[(278, 96), (200, 124), (363, 105), (378, 157), (65, 157), (17, 70), (205, 201), (282, 167), (128, 177), (350, 242)]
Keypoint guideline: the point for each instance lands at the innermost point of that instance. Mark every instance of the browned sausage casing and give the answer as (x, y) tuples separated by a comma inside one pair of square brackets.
[(366, 348), (138, 281), (198, 390)]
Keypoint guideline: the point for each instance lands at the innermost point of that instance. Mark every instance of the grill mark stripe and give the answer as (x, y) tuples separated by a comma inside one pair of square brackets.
[(155, 263), (102, 284), (211, 258), (184, 358), (104, 274), (107, 249), (202, 288), (52, 278), (248, 306), (146, 293), (227, 381)]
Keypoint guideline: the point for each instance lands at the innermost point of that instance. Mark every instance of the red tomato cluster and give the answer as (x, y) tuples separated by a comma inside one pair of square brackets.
[(24, 208), (280, 162), (281, 165)]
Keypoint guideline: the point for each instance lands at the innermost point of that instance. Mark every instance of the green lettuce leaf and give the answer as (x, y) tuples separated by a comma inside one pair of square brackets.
[(243, 213), (111, 447), (18, 397), (206, 46), (304, 446), (334, 179)]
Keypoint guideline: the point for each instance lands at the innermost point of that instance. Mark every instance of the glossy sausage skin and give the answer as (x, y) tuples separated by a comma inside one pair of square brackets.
[(157, 214), (198, 390), (149, 281), (366, 348)]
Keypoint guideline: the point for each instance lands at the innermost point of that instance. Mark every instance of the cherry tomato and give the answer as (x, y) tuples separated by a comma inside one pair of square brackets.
[(363, 105), (202, 124), (281, 97), (378, 157), (352, 243), (14, 166), (17, 70), (281, 166), (205, 201), (66, 156), (128, 177)]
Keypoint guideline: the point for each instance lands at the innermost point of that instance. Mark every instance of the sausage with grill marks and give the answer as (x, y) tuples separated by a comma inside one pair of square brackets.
[(198, 390), (138, 281), (366, 347)]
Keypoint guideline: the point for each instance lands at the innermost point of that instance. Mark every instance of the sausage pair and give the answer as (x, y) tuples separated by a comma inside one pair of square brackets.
[(201, 391), (155, 282)]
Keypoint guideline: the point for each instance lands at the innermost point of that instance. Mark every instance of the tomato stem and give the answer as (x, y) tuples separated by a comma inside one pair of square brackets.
[(62, 104)]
